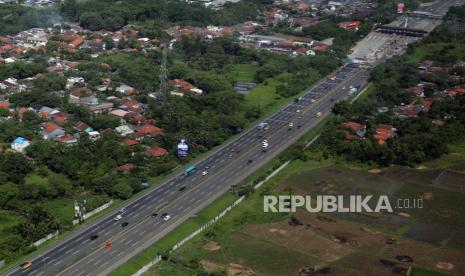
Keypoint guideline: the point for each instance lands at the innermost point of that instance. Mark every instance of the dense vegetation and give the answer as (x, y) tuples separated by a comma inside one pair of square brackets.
[(15, 18), (106, 14)]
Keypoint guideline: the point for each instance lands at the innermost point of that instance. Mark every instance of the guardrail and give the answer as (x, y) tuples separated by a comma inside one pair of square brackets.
[(158, 258)]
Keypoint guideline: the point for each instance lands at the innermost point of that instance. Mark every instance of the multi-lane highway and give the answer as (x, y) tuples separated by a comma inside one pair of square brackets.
[(80, 255), (184, 195)]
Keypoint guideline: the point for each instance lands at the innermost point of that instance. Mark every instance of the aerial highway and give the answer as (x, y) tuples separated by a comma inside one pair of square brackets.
[(84, 253), (149, 216)]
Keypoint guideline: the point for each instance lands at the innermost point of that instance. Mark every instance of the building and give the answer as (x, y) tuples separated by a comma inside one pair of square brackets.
[(20, 144), (51, 130)]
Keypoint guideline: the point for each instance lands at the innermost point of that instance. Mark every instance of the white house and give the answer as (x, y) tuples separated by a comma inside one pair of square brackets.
[(20, 144)]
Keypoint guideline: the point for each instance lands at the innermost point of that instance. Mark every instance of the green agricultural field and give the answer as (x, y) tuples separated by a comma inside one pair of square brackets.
[(250, 241)]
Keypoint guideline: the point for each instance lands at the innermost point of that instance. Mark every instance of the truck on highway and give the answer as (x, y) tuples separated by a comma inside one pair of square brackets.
[(190, 170), (263, 126)]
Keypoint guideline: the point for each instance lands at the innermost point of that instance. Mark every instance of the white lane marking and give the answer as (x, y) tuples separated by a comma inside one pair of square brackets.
[(128, 242), (120, 253), (67, 252), (98, 261), (142, 232)]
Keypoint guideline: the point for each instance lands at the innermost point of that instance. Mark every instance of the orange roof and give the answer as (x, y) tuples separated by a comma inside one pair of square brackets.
[(5, 105), (320, 47), (353, 125), (126, 167), (182, 84), (6, 48), (426, 102), (383, 133), (155, 152), (77, 41), (50, 126), (5, 39), (66, 138), (458, 90), (149, 129), (129, 142)]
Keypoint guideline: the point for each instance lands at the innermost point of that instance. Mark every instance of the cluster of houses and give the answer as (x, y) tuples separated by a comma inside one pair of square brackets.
[(63, 127), (382, 132), (421, 103)]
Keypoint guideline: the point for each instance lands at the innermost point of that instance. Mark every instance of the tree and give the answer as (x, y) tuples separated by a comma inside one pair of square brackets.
[(16, 166), (122, 190), (91, 21), (8, 191)]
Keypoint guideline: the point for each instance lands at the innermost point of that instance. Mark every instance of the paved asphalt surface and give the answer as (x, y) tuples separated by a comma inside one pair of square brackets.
[(79, 255), (228, 165)]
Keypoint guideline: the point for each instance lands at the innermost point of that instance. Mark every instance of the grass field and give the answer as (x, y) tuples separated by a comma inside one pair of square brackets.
[(242, 72), (421, 52)]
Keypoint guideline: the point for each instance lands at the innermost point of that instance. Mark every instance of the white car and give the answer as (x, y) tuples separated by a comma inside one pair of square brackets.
[(118, 217), (291, 124), (204, 172), (298, 111), (265, 145), (312, 100), (167, 217)]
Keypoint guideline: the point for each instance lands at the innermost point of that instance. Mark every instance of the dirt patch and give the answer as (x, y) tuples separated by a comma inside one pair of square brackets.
[(405, 215), (279, 231), (212, 246), (444, 266), (237, 269), (428, 196), (376, 171), (303, 239), (210, 267)]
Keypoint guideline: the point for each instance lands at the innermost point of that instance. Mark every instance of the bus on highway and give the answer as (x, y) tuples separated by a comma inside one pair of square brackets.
[(190, 170)]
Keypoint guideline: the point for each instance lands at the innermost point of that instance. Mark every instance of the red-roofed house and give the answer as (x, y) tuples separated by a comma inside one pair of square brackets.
[(149, 130), (51, 130), (155, 152), (126, 168), (383, 133), (129, 142), (5, 105)]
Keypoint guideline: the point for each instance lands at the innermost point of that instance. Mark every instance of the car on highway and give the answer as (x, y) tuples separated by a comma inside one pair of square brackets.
[(313, 100), (26, 265), (118, 217), (165, 216), (291, 124), (265, 143), (182, 188), (298, 111), (204, 173), (250, 161), (154, 215), (93, 237), (207, 167), (318, 114), (124, 224)]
